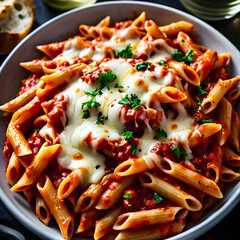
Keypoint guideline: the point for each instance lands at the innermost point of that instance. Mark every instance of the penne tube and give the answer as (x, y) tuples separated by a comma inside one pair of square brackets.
[(115, 191), (228, 175), (216, 95), (14, 169), (185, 72), (233, 94), (225, 116), (160, 231), (92, 195), (186, 44), (230, 157), (22, 99), (139, 22), (56, 206), (170, 192), (68, 185), (18, 141), (71, 201), (167, 95), (88, 220), (104, 22), (203, 131), (235, 125), (137, 165), (221, 61), (153, 30), (104, 225), (190, 177), (34, 66), (153, 216), (37, 166), (172, 29), (42, 210)]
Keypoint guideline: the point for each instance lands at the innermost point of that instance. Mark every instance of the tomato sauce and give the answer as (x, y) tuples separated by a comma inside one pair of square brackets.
[(29, 83)]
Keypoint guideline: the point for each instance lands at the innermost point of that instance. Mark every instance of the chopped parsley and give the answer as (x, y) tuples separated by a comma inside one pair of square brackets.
[(91, 103), (101, 118), (200, 103), (106, 78), (94, 93), (198, 170), (178, 56), (133, 149), (143, 66), (118, 86), (163, 63), (130, 204), (200, 91), (182, 40), (160, 134), (85, 114), (157, 198), (127, 135), (37, 130), (202, 121), (126, 52), (127, 195), (134, 102), (179, 154)]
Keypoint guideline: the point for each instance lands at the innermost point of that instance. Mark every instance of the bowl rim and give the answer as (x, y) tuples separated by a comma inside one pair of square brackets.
[(194, 231)]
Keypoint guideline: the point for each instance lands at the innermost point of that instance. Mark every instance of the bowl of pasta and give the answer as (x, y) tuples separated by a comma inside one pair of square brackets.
[(121, 124)]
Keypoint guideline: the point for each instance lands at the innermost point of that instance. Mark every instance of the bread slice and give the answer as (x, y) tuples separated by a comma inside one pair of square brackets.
[(16, 20)]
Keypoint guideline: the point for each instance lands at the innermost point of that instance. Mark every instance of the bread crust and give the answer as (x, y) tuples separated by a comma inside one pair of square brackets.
[(9, 39)]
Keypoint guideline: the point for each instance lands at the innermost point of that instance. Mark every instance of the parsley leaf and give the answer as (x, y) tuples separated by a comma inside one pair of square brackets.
[(201, 121), (127, 135), (200, 91), (178, 56), (133, 149), (163, 63), (118, 86), (101, 118), (130, 204), (127, 195), (134, 102), (90, 104), (94, 93), (37, 130), (126, 52), (106, 78), (143, 66), (178, 153), (198, 170), (157, 198), (160, 133), (200, 103), (85, 114)]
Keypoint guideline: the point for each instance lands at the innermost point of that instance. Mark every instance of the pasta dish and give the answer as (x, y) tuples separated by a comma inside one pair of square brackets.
[(124, 131)]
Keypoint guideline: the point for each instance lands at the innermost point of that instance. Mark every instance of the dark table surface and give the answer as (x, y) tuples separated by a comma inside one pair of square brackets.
[(227, 229)]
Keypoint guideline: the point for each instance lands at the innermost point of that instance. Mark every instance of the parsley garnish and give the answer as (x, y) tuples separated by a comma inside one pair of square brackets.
[(127, 135), (90, 104), (127, 195), (85, 114), (198, 170), (157, 198), (101, 118), (37, 130), (160, 133), (200, 91), (143, 66), (130, 204), (134, 102), (126, 52), (133, 149), (200, 103), (201, 121), (178, 153), (163, 63), (182, 40), (106, 78), (178, 56), (118, 86), (94, 93)]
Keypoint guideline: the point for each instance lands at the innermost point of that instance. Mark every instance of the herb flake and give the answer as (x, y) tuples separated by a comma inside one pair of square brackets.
[(127, 135), (127, 195), (179, 154), (126, 52), (160, 134), (178, 56), (157, 198), (143, 66)]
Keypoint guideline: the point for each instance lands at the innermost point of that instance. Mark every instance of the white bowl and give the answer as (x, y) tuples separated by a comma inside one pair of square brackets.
[(54, 30)]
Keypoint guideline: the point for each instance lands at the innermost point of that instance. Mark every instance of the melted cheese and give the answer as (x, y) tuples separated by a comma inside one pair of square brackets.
[(78, 129)]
